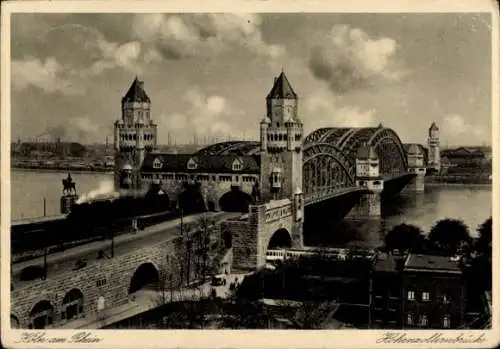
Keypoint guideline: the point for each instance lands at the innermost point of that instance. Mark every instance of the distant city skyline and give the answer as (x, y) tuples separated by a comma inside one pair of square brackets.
[(209, 74)]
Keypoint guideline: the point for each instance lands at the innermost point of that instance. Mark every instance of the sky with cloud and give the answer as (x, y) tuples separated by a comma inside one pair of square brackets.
[(209, 73)]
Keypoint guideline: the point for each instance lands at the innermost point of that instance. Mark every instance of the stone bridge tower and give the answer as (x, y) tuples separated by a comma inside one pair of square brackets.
[(416, 165), (369, 180), (281, 135), (135, 135), (281, 143), (434, 157)]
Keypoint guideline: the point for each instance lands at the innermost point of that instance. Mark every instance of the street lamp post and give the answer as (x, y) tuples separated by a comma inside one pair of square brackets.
[(45, 252), (112, 243)]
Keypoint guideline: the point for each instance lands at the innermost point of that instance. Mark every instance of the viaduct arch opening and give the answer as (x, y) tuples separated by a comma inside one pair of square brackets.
[(235, 201), (145, 276), (191, 200), (41, 315), (72, 304), (280, 239)]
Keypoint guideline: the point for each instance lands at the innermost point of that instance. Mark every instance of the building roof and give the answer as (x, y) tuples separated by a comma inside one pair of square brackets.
[(423, 263), (414, 149), (366, 152), (463, 152), (136, 93), (204, 163), (385, 263), (434, 126), (282, 88)]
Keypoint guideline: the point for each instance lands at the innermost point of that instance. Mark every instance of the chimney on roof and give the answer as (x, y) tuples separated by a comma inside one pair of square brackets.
[(141, 84)]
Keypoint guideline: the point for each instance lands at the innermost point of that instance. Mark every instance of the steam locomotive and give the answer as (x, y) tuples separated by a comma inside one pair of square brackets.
[(115, 208), (95, 219)]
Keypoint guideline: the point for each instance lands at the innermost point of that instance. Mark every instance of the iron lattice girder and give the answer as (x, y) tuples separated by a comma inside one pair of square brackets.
[(314, 152), (384, 141), (326, 135), (397, 155), (230, 148)]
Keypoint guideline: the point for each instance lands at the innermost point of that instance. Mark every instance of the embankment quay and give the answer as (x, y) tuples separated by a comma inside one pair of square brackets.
[(58, 169), (472, 179), (129, 263)]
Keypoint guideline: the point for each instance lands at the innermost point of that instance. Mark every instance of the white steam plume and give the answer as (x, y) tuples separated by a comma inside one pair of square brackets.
[(106, 188)]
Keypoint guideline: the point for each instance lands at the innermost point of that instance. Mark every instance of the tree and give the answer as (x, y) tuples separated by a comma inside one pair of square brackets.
[(449, 237), (403, 237), (483, 243), (481, 264), (203, 244)]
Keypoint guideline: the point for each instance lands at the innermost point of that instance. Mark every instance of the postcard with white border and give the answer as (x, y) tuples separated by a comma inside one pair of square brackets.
[(249, 174)]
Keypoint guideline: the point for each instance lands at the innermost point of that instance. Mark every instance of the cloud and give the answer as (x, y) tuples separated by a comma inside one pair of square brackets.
[(348, 59), (455, 129), (207, 115), (321, 109), (48, 75), (81, 129), (84, 53), (202, 35)]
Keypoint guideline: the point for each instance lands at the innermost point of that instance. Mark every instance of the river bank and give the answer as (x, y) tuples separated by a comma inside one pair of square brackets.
[(469, 179), (60, 169), (458, 185)]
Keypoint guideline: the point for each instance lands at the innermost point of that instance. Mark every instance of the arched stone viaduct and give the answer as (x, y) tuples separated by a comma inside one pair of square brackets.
[(73, 294)]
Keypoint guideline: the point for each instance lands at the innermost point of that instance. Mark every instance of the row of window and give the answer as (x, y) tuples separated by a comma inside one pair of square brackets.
[(425, 296), (282, 137), (133, 137), (201, 178), (130, 113), (423, 321)]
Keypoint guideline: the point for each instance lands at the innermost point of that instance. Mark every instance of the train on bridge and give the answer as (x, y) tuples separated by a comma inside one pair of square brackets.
[(91, 220), (274, 256)]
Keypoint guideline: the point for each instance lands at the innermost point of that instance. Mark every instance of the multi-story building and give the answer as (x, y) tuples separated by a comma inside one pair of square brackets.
[(386, 292), (419, 291)]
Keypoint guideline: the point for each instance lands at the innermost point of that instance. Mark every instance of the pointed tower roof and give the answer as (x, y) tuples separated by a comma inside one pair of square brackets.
[(366, 152), (434, 126), (282, 88), (136, 93)]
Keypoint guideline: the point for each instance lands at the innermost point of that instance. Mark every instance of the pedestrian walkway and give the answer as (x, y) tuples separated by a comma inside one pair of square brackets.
[(74, 252), (145, 300)]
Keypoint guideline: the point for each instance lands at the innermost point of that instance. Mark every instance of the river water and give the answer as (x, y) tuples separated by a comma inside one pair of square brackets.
[(472, 204)]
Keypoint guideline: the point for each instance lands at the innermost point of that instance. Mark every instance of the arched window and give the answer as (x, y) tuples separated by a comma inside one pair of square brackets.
[(42, 315), (72, 304)]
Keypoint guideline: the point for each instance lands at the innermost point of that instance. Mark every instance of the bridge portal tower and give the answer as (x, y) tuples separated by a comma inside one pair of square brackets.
[(369, 180), (433, 146), (135, 135), (416, 165), (281, 132)]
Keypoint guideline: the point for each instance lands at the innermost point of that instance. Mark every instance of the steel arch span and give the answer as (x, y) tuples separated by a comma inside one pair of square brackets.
[(325, 169), (231, 148), (385, 142)]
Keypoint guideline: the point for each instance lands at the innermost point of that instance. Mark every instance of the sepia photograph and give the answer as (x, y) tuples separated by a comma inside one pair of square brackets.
[(228, 170)]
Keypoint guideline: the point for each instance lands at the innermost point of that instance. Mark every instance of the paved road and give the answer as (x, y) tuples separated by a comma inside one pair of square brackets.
[(64, 261), (146, 299)]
